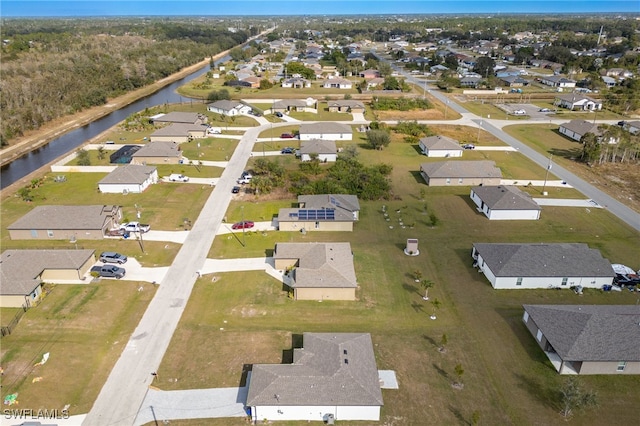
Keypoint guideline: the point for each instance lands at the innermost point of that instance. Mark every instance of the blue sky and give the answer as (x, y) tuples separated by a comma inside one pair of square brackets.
[(52, 8)]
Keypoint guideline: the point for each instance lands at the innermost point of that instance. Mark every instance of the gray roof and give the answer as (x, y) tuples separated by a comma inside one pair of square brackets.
[(318, 146), (581, 127), (574, 98), (293, 215), (179, 117), (544, 260), (284, 103), (324, 128), (21, 269), (159, 149), (179, 129), (129, 174), (558, 79), (332, 369), (464, 169), (438, 143), (64, 217), (337, 201), (505, 198), (225, 105), (346, 103), (320, 265), (590, 332)]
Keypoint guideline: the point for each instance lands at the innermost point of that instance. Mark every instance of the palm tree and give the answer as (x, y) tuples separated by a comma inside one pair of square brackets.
[(426, 284), (436, 305), (417, 274)]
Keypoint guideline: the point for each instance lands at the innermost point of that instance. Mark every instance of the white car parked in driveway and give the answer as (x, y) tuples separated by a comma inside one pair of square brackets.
[(178, 178), (519, 112)]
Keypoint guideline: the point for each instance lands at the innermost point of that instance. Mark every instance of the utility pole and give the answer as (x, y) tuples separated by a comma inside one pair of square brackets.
[(546, 175)]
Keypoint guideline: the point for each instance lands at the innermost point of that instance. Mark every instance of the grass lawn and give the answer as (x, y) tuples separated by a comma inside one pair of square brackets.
[(84, 328), (211, 149)]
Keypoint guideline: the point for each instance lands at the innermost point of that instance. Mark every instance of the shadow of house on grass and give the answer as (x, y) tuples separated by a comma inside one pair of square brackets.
[(287, 354), (513, 317)]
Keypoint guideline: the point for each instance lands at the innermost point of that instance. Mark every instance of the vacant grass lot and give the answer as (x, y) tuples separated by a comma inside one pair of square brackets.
[(84, 328), (236, 319)]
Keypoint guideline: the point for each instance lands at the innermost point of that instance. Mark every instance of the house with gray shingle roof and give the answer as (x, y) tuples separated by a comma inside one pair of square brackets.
[(553, 265), (180, 117), (326, 151), (326, 130), (505, 203), (574, 101), (59, 222), (440, 146), (337, 83), (299, 105), (23, 273), (334, 375), (587, 339), (346, 106), (558, 81), (229, 107), (158, 153), (576, 129), (324, 212), (317, 271), (131, 178), (461, 173), (179, 132)]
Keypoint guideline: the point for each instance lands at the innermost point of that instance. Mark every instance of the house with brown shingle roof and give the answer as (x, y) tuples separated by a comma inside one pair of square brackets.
[(59, 222), (23, 273), (505, 203), (333, 376), (318, 271), (461, 173)]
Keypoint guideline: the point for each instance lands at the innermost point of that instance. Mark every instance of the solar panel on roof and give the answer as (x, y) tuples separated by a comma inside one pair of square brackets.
[(321, 214)]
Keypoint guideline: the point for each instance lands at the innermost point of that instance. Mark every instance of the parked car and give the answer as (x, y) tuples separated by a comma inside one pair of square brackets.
[(287, 136), (287, 150), (246, 174), (135, 227), (468, 146), (279, 114), (621, 123), (247, 224), (113, 257), (244, 180), (544, 110), (108, 271), (178, 178), (519, 112), (235, 189)]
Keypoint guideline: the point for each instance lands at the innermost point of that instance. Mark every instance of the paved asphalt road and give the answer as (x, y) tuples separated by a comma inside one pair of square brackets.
[(122, 396)]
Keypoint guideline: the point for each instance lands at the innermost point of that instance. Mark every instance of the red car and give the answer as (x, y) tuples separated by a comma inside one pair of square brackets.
[(287, 136), (242, 225)]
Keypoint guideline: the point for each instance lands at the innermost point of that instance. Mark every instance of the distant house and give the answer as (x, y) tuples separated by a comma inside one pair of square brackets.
[(558, 81), (574, 101), (317, 271), (609, 81), (24, 272), (252, 80), (461, 173), (514, 81), (59, 222), (576, 129), (158, 153), (296, 83), (375, 83), (632, 127), (326, 130), (440, 146), (587, 339), (179, 132), (333, 377), (326, 151), (337, 83), (298, 105), (325, 212), (505, 203), (179, 117), (130, 178), (470, 81), (347, 106), (369, 74), (230, 108), (562, 265)]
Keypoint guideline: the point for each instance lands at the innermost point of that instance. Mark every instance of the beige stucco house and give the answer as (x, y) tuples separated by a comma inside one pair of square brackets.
[(158, 153), (66, 223), (324, 212), (23, 273), (317, 271), (179, 132)]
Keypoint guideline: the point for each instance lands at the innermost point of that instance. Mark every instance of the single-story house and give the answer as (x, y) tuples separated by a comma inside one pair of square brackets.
[(179, 132), (587, 339), (374, 83), (131, 178), (66, 223), (558, 81), (24, 272), (369, 74), (470, 81), (440, 146), (632, 127), (514, 81), (158, 153), (296, 83), (228, 107), (334, 376), (505, 203), (317, 271), (179, 117), (609, 81), (561, 265), (325, 212), (462, 173), (574, 101), (326, 151), (298, 105), (345, 106), (252, 80), (337, 83), (576, 129), (326, 130)]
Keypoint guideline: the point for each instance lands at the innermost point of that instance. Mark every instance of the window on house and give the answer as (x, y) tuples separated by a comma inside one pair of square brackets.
[(448, 181), (460, 180), (50, 233), (525, 317), (621, 365), (539, 336), (564, 281), (519, 281)]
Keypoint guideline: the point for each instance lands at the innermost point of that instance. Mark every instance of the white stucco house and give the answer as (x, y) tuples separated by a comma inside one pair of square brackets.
[(553, 265), (131, 178), (440, 146), (558, 81), (575, 101), (230, 108), (505, 203), (326, 151), (333, 376), (337, 83), (326, 131)]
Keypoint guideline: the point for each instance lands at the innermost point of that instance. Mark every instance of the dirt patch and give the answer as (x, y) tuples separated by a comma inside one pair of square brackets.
[(428, 114)]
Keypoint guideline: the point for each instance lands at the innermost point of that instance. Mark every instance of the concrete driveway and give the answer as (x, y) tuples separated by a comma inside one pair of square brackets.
[(136, 272), (225, 228), (567, 202), (242, 264)]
